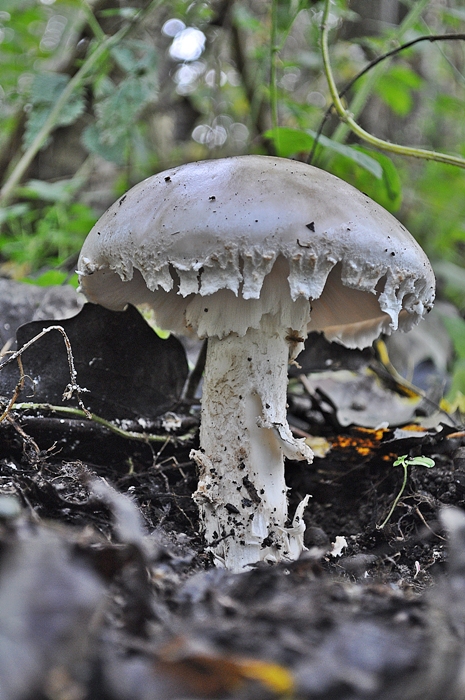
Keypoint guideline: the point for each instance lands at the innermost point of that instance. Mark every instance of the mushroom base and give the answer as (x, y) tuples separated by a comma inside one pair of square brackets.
[(244, 437)]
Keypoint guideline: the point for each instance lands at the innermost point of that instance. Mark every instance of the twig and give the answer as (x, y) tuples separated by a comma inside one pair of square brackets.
[(73, 387), (428, 527), (78, 413), (348, 119), (92, 21), (27, 438), (428, 37), (196, 374), (18, 388)]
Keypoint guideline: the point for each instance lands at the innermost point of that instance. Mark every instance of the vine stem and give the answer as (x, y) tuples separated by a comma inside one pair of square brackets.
[(79, 413), (348, 119), (74, 84), (363, 92), (393, 52)]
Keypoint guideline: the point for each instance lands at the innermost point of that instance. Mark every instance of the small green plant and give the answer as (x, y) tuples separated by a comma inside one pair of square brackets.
[(405, 462), (34, 239)]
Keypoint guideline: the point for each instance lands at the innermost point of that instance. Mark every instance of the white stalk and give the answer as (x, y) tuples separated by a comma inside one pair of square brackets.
[(244, 437)]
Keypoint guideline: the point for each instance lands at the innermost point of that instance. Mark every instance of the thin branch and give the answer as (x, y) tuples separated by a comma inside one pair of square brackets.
[(18, 389), (92, 21), (393, 52), (428, 37), (79, 413), (359, 100), (27, 438), (196, 375), (73, 387), (347, 118)]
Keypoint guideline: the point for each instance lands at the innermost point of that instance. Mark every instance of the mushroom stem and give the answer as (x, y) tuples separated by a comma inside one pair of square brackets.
[(244, 437)]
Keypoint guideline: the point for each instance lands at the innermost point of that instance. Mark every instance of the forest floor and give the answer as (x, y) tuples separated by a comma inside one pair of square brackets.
[(107, 591)]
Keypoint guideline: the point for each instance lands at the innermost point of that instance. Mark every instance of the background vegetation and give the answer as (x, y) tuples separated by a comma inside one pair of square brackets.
[(95, 96)]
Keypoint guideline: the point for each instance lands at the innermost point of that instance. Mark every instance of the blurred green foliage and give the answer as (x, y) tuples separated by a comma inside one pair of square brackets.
[(455, 399), (196, 79)]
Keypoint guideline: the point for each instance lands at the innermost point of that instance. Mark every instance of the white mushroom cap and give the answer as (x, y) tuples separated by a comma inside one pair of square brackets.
[(252, 252), (206, 237)]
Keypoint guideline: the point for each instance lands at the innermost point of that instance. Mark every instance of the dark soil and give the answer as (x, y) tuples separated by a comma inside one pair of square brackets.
[(107, 592)]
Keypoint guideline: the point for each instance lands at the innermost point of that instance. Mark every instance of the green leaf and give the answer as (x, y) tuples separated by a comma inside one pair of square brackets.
[(407, 76), (396, 88), (47, 87), (51, 278), (396, 97), (369, 171), (92, 140), (449, 106), (421, 461), (117, 110), (400, 461), (47, 191), (386, 190), (456, 13), (46, 236), (124, 57), (15, 211), (354, 154), (124, 12), (135, 57), (246, 19), (45, 90), (289, 142)]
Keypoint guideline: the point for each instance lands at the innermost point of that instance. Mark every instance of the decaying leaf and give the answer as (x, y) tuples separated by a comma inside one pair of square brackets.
[(207, 674), (127, 370)]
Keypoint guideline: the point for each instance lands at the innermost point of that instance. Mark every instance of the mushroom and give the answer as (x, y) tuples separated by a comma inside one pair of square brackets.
[(252, 252)]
